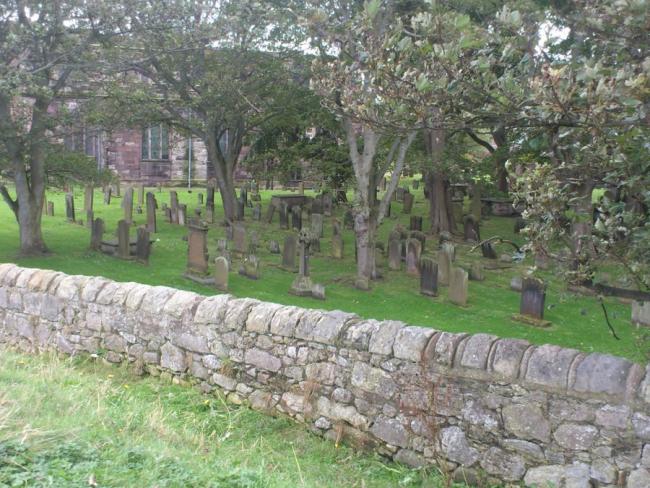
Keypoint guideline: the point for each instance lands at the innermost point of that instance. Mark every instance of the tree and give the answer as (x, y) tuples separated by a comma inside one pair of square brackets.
[(359, 86), (218, 70), (45, 49)]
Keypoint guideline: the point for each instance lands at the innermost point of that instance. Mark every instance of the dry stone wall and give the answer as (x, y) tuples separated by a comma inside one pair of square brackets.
[(478, 406)]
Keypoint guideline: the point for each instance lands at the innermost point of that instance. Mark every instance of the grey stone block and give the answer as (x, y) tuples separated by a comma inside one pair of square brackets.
[(382, 340), (410, 343), (602, 373), (549, 366), (475, 351), (260, 317)]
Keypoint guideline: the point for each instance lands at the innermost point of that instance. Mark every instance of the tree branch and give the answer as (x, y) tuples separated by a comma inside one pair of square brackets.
[(13, 204)]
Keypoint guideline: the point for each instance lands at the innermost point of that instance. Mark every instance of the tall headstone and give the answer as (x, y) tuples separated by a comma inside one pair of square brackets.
[(96, 234), (284, 215), (239, 240), (413, 251), (197, 252), (533, 295), (151, 212), (289, 253), (89, 193), (428, 277), (221, 269), (143, 246), (182, 214), (69, 207), (444, 268), (173, 204), (123, 239), (50, 209), (458, 286), (257, 212), (394, 253), (476, 272), (471, 230), (296, 218), (209, 213), (317, 224), (408, 203), (127, 205), (337, 246)]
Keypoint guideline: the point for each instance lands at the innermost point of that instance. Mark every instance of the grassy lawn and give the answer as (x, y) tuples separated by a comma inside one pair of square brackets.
[(76, 423), (577, 321)]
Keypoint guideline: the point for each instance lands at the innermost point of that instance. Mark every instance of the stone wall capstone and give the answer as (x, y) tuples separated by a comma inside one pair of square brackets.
[(478, 406)]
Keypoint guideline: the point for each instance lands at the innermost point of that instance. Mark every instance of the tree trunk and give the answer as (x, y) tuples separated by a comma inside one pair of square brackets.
[(365, 228), (224, 180), (500, 158), (29, 212), (582, 223), (440, 210)]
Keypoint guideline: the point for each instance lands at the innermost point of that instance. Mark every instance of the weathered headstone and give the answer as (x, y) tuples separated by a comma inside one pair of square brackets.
[(428, 277), (96, 234), (107, 195), (274, 247), (296, 218), (89, 193), (221, 268), (318, 291), (182, 214), (413, 251), (197, 252), (250, 267), (50, 209), (127, 205), (317, 224), (516, 283), (420, 236), (348, 220), (458, 286), (394, 253), (143, 245), (302, 284), (408, 203), (284, 215), (239, 246), (123, 240), (173, 205), (415, 223), (450, 249), (476, 272), (257, 212), (69, 207), (533, 295), (444, 268), (317, 205), (337, 246), (289, 253), (471, 229), (488, 251)]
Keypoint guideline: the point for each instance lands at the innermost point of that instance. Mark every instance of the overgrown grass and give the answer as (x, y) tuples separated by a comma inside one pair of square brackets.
[(578, 321), (76, 423)]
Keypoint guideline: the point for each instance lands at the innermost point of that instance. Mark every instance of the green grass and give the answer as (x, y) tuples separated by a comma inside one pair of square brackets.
[(74, 422), (578, 321)]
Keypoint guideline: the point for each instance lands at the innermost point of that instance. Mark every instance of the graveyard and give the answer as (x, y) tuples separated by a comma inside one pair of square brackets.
[(576, 320)]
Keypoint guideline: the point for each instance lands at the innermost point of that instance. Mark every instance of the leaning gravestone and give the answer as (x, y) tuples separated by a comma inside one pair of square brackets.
[(143, 246), (69, 207), (96, 234), (458, 287), (221, 269), (428, 277), (444, 268), (533, 295), (413, 251), (127, 205), (337, 246), (408, 203), (123, 240), (394, 253), (289, 253)]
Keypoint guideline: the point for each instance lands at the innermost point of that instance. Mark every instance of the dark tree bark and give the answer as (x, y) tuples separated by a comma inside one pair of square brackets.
[(440, 210)]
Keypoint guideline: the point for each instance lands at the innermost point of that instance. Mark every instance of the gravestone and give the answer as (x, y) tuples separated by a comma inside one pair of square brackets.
[(240, 209), (471, 231), (318, 291), (69, 207), (428, 277), (96, 234), (336, 227), (239, 246), (317, 205), (516, 283), (107, 195), (90, 216), (50, 209), (182, 214), (394, 253), (408, 203), (140, 194), (533, 295), (138, 209), (317, 224), (476, 272), (250, 267), (296, 218), (327, 204), (199, 197), (289, 253), (399, 194), (413, 251), (420, 236), (488, 251), (415, 223), (168, 215), (89, 193), (257, 212), (173, 205), (197, 251), (117, 188), (348, 220), (337, 246), (127, 205), (221, 268), (274, 247), (284, 215), (123, 240), (444, 268), (450, 249), (458, 286), (143, 246), (302, 284), (315, 243), (269, 213)]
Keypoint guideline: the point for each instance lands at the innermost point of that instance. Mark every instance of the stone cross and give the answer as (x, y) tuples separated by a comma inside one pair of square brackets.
[(221, 269), (533, 295), (302, 285), (151, 212), (458, 286)]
